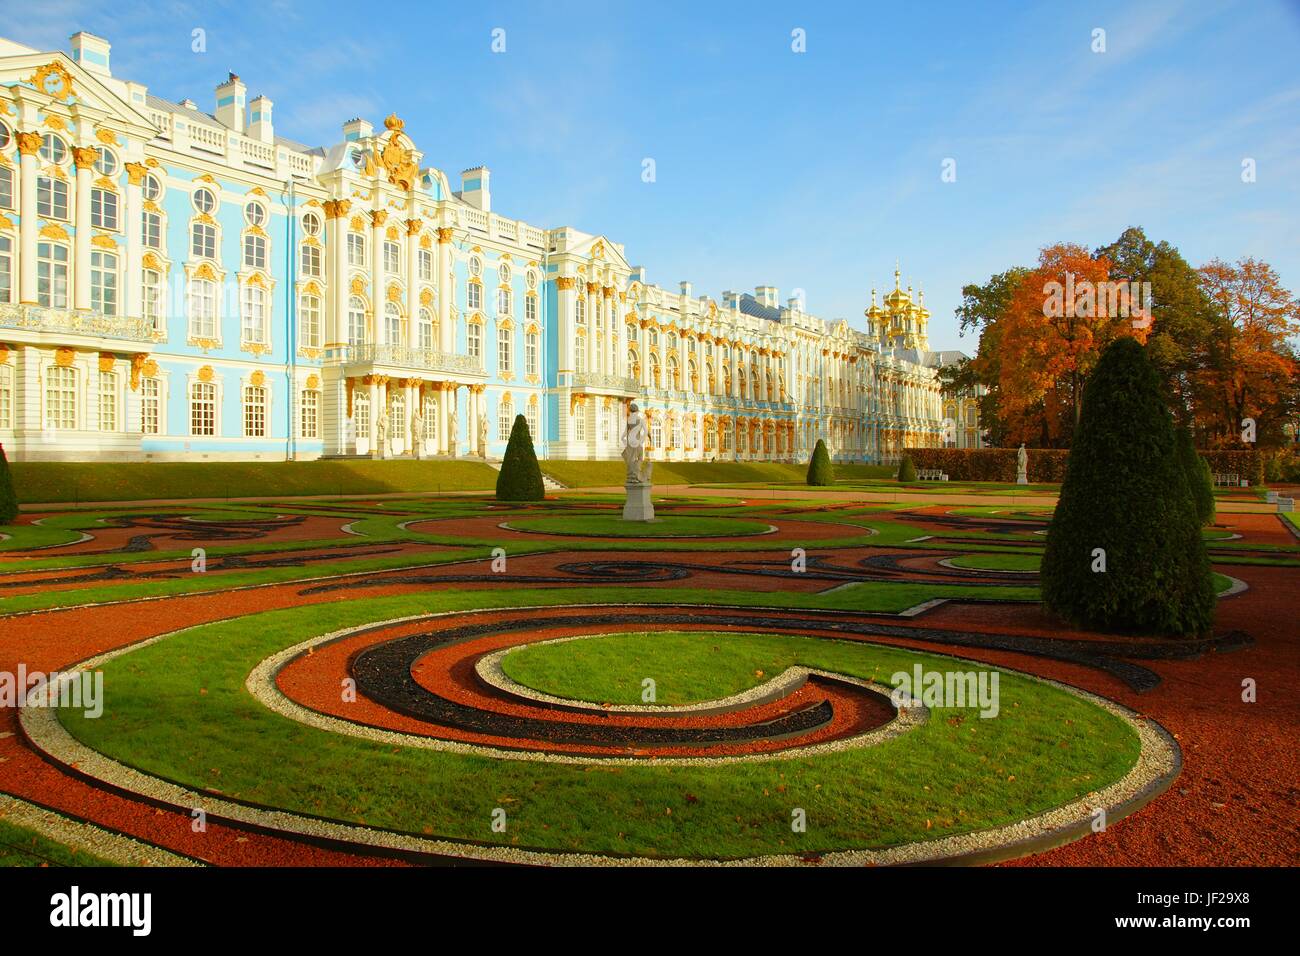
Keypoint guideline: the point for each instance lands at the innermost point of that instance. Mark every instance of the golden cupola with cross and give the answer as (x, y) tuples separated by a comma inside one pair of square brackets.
[(902, 321)]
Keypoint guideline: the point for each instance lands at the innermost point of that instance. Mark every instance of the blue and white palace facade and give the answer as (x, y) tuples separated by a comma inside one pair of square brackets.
[(182, 284)]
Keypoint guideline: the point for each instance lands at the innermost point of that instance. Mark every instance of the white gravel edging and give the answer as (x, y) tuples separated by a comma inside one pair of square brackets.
[(87, 837)]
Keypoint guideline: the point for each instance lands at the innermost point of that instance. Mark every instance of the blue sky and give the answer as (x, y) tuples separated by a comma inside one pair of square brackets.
[(811, 170)]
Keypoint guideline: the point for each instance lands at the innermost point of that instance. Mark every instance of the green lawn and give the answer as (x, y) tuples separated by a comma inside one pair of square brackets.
[(179, 709), (43, 481), (613, 526), (593, 474), (20, 846), (990, 561)]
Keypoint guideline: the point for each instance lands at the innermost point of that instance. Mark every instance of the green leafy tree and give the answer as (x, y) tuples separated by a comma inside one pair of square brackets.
[(521, 477), (906, 470), (8, 499), (820, 470), (1199, 481), (1124, 549)]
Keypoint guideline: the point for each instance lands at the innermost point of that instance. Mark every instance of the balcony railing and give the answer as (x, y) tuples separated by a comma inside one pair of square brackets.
[(400, 356), (38, 318), (622, 383)]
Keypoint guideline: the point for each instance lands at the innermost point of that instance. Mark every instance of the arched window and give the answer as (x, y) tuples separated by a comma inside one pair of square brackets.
[(393, 323), (203, 309), (253, 310), (426, 329), (505, 419), (356, 321), (309, 320), (531, 418), (505, 351)]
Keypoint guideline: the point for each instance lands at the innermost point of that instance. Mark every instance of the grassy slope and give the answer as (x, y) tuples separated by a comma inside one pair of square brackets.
[(45, 481), (592, 474), (180, 710)]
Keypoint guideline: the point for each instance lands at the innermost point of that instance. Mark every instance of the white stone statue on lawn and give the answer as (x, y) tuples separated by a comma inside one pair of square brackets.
[(638, 506), (482, 436), (1022, 465), (634, 441), (453, 431)]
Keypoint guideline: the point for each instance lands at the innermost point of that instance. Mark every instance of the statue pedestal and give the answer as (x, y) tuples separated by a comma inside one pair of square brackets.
[(1021, 480), (638, 506)]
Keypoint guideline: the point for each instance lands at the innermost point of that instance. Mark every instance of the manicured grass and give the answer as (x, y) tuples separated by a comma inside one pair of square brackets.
[(42, 481), (613, 526), (21, 846), (990, 561), (179, 709)]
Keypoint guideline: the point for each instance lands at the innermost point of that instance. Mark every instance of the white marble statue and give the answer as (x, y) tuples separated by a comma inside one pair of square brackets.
[(417, 432), (453, 430), (1022, 465), (482, 436), (634, 441), (381, 433)]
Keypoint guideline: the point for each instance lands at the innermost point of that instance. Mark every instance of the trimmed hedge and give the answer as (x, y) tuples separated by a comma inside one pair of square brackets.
[(1199, 480), (1126, 493), (820, 471), (521, 477), (8, 500), (907, 470), (991, 464)]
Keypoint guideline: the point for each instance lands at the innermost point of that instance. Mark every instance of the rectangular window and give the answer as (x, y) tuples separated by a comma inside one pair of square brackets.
[(6, 397), (6, 268), (311, 261), (505, 420), (310, 414), (254, 411), (108, 401), (253, 310), (309, 319), (580, 423), (203, 408), (474, 339), (254, 252), (103, 209), (152, 298), (6, 188), (505, 357), (530, 308), (426, 265), (150, 405), (531, 418), (52, 275), (60, 397), (103, 282), (356, 249), (530, 353), (392, 258), (474, 296), (51, 198), (504, 302), (203, 241), (203, 309), (151, 230)]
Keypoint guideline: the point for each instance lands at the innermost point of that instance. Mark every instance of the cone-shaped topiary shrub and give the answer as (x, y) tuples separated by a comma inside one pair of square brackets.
[(8, 499), (1199, 481), (520, 478), (906, 470), (1124, 549), (820, 470)]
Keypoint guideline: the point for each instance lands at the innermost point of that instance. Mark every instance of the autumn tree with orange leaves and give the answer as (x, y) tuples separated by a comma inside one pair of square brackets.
[(1053, 327), (1252, 372)]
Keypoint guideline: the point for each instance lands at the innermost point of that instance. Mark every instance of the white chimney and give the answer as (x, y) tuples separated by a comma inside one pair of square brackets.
[(686, 289), (475, 187), (766, 295), (91, 53), (259, 120), (230, 103), (355, 129)]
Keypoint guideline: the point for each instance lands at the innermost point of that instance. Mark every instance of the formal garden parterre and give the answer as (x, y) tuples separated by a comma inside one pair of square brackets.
[(497, 653)]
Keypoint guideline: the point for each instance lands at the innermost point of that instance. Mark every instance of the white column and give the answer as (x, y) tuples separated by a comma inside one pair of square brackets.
[(446, 334), (134, 280), (28, 145), (336, 271), (413, 227), (85, 157), (380, 296)]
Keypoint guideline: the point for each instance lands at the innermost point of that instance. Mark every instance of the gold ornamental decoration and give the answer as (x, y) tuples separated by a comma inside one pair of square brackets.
[(397, 160), (136, 173), (85, 156), (63, 357), (106, 361), (313, 381), (257, 379), (444, 234), (29, 144), (206, 374)]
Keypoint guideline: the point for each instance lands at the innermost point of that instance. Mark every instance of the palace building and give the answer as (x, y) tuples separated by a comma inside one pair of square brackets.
[(183, 284)]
